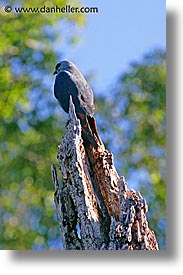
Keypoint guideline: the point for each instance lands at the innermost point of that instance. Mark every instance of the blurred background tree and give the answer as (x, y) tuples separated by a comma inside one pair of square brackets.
[(131, 121), (134, 115), (30, 126)]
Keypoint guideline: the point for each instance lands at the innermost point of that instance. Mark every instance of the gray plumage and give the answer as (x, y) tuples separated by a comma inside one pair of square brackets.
[(70, 81)]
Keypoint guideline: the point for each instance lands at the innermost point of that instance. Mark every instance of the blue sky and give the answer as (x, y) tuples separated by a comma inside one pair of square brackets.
[(121, 32)]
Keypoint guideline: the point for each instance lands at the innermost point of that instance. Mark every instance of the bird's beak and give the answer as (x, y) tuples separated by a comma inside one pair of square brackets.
[(55, 72)]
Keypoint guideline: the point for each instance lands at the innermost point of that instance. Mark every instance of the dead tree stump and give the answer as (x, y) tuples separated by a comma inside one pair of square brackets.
[(95, 209)]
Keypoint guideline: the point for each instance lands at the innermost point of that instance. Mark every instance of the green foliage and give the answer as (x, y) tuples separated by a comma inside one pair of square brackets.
[(30, 124), (131, 122), (136, 133)]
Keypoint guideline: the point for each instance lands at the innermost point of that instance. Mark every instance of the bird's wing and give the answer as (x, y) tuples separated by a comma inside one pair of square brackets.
[(67, 84), (85, 95), (63, 88)]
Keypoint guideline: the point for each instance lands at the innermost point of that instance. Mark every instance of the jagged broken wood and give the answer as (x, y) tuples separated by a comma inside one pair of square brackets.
[(95, 209)]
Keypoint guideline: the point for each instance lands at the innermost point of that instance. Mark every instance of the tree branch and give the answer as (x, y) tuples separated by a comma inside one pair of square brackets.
[(95, 209)]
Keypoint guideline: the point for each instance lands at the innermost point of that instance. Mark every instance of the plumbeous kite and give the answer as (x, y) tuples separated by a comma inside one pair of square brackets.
[(70, 81)]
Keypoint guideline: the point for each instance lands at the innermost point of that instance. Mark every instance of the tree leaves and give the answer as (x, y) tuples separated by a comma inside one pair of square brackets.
[(137, 131), (30, 126)]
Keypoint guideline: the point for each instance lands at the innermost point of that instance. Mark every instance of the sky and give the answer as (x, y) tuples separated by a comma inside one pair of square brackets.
[(164, 262), (121, 32)]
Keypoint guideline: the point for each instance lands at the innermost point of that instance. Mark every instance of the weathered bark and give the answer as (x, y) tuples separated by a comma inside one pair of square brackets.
[(95, 209)]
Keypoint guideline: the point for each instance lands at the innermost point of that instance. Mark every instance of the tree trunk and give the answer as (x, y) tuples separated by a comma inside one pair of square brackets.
[(95, 209)]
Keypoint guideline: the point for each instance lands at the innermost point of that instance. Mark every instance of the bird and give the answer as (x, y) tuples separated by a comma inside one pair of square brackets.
[(69, 81)]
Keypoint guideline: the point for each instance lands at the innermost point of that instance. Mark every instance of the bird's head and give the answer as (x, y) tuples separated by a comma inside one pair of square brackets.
[(63, 66)]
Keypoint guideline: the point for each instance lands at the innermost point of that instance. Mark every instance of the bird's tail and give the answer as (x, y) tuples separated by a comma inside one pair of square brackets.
[(89, 131), (93, 127)]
